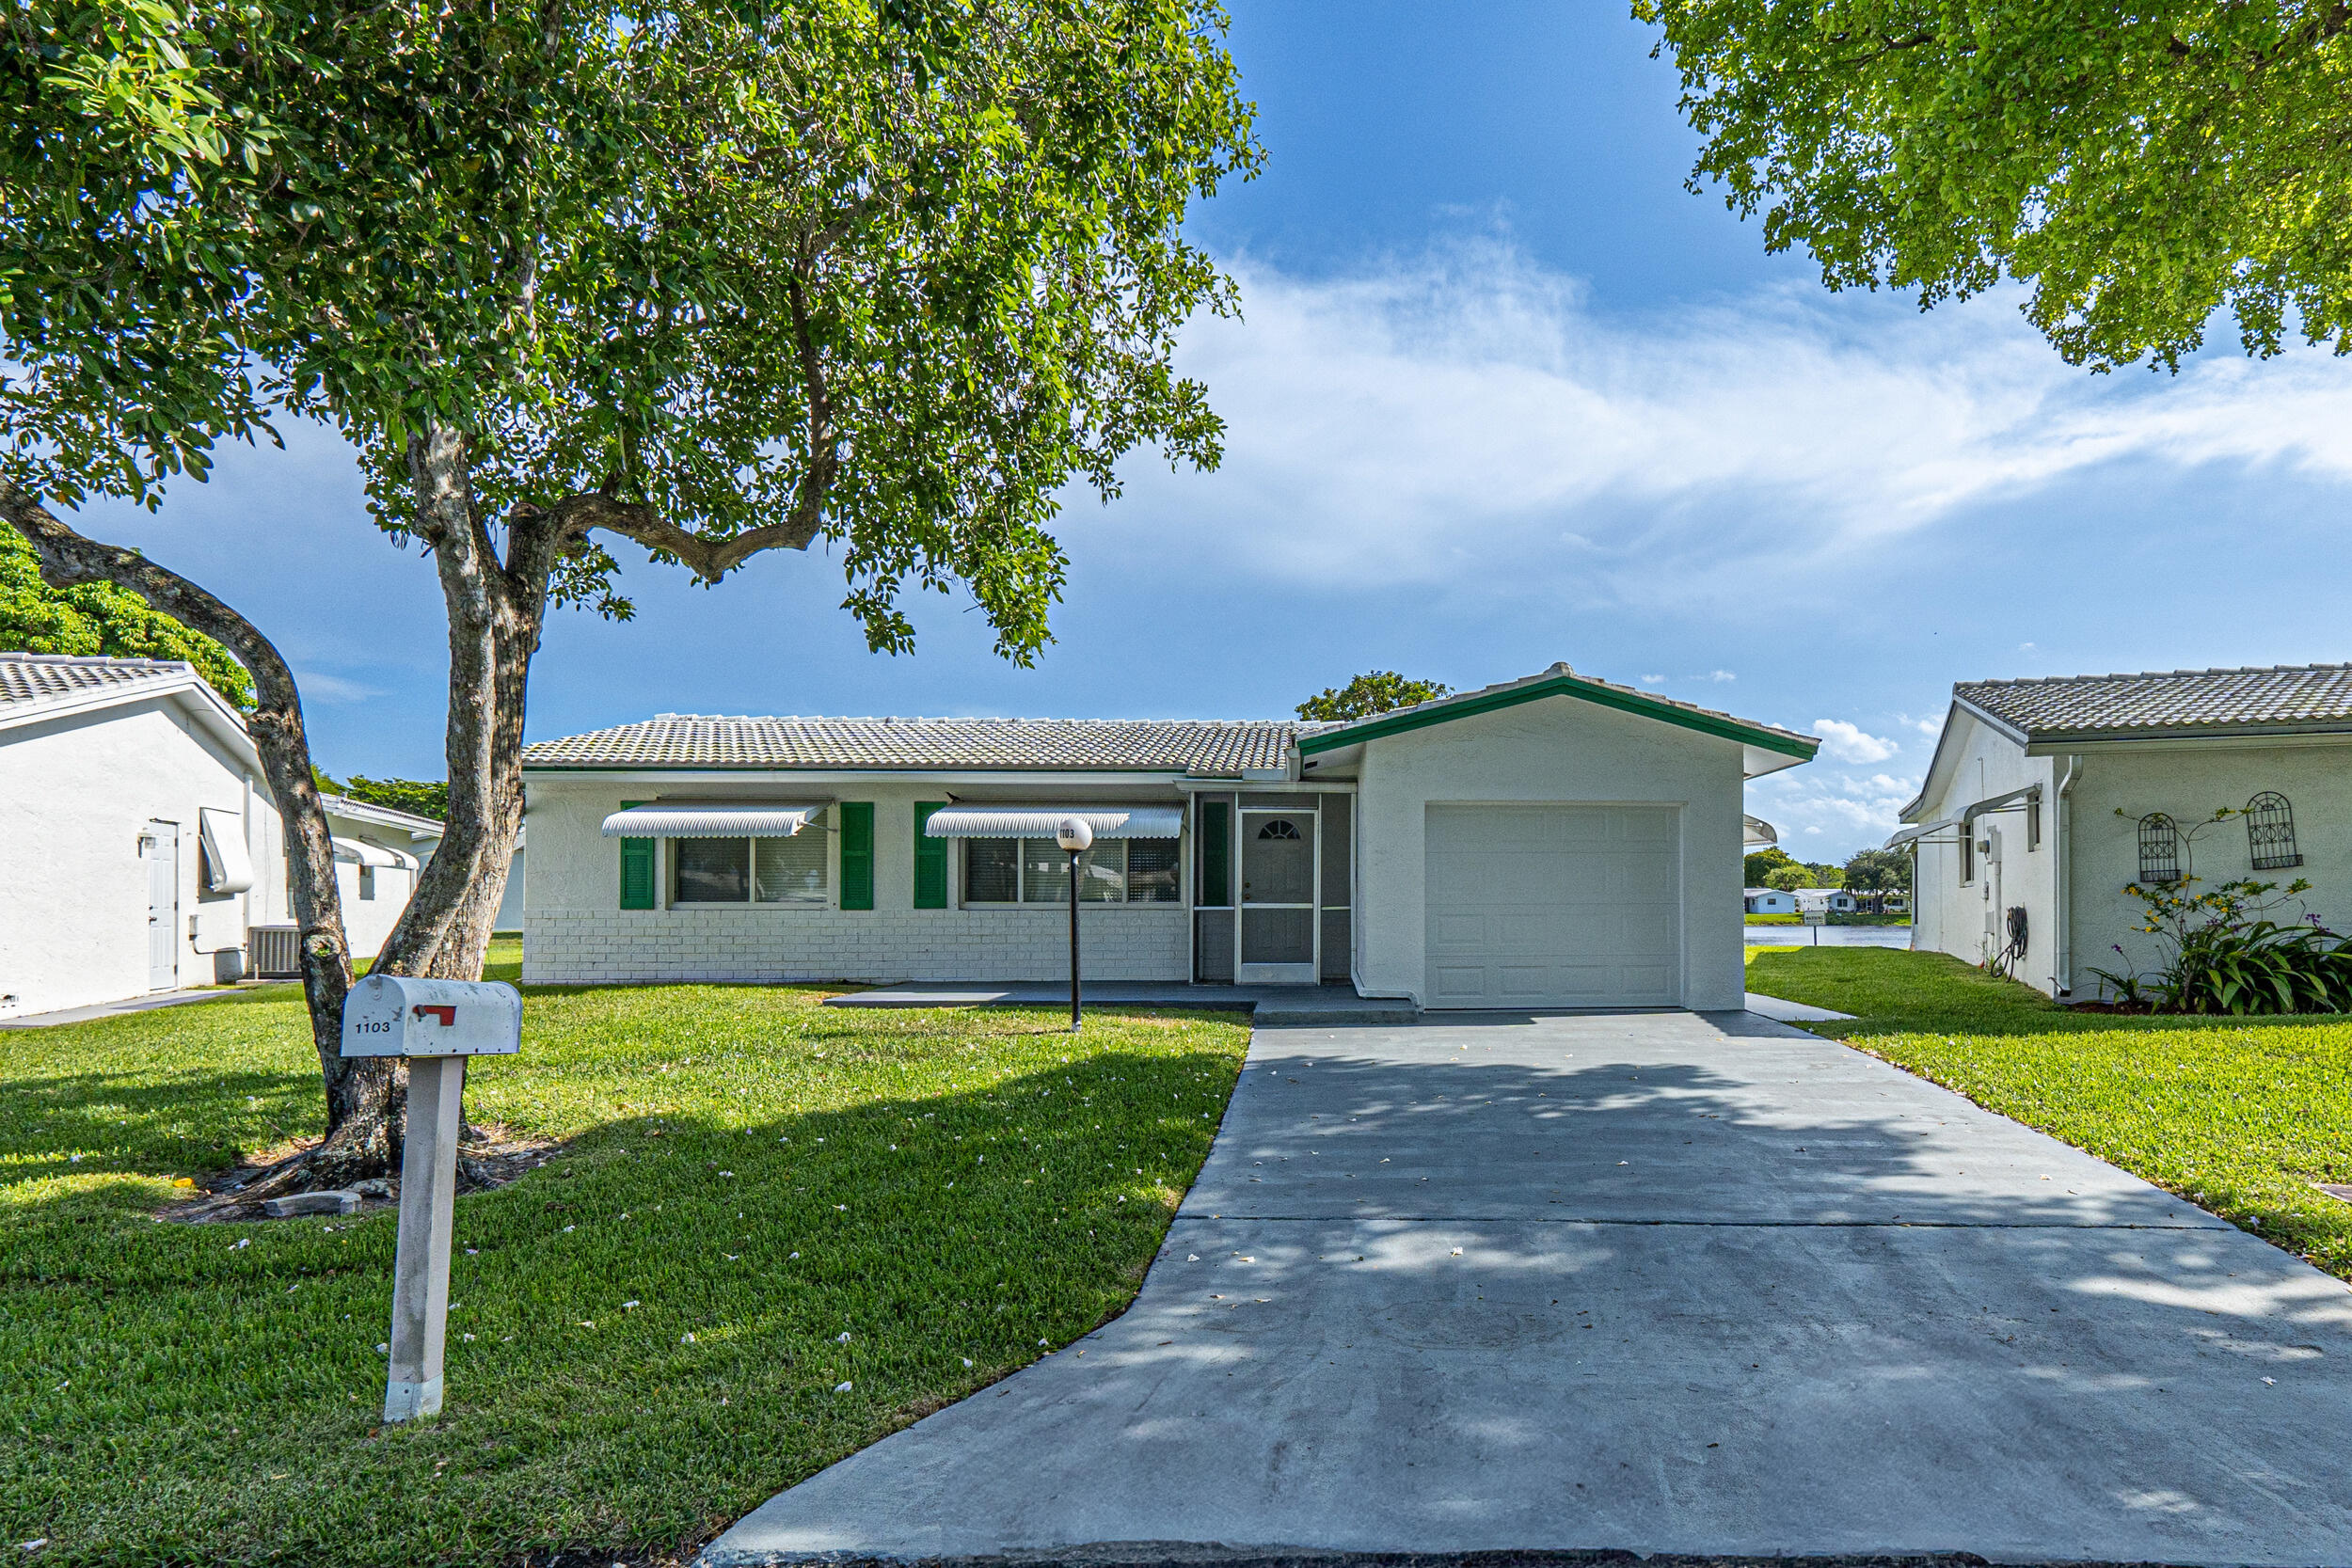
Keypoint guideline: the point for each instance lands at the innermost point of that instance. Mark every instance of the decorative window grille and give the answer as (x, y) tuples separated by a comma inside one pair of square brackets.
[(1279, 828), (2159, 850), (2270, 832)]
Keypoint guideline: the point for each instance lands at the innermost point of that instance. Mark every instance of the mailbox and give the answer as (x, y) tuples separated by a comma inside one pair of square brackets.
[(400, 1015)]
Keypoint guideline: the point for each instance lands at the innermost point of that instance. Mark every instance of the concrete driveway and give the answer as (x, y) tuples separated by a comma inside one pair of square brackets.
[(1657, 1282)]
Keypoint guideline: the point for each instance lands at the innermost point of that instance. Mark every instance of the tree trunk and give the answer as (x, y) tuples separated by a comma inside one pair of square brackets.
[(496, 610), (363, 1096)]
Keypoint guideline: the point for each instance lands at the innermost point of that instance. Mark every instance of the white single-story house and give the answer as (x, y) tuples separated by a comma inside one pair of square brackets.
[(379, 853), (1837, 900), (1556, 841), (1769, 900), (145, 842), (2047, 797)]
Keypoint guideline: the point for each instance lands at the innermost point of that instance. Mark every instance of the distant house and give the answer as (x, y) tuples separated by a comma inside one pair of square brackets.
[(1837, 900), (143, 842), (379, 854), (2045, 797), (1769, 900)]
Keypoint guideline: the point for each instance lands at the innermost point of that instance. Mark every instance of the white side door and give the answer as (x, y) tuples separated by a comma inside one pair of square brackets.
[(159, 847)]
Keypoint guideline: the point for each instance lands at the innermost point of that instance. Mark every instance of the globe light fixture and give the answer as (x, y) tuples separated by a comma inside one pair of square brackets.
[(1076, 838)]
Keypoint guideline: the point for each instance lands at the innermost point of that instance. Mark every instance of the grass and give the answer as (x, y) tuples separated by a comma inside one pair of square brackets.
[(761, 1200), (2240, 1116)]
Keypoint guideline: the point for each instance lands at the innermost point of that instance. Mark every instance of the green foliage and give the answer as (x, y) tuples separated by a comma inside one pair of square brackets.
[(756, 1173), (418, 797), (100, 618), (2139, 168), (1763, 863), (887, 274), (1377, 692), (1878, 871), (1789, 877)]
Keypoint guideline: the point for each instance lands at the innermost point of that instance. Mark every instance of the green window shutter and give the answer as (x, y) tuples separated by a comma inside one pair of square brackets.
[(1217, 853), (930, 859), (639, 857), (857, 854)]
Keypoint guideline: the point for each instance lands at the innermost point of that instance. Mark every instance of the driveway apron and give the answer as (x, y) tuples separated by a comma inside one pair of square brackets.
[(1657, 1282)]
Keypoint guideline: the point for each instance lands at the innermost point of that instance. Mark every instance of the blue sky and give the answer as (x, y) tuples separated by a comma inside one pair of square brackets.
[(1506, 393)]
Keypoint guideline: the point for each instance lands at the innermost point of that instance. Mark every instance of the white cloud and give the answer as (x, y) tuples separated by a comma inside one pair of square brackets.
[(1470, 418), (1846, 742), (1721, 676), (1653, 680), (1851, 810), (316, 685)]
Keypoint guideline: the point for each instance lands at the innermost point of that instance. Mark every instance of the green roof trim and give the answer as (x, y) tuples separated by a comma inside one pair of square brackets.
[(1445, 710)]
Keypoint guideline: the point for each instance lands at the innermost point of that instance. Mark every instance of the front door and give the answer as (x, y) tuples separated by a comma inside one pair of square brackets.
[(1279, 871), (159, 847)]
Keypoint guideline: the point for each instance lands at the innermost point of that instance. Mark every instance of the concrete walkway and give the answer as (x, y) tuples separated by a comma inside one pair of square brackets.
[(147, 1003), (1265, 1004), (1655, 1282)]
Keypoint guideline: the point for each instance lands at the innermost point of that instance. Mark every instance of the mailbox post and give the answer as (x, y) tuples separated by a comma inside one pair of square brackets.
[(435, 1025)]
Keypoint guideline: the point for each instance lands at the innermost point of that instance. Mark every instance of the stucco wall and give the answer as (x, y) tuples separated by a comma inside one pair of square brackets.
[(575, 930), (2189, 782), (76, 793), (1555, 749), (1948, 916)]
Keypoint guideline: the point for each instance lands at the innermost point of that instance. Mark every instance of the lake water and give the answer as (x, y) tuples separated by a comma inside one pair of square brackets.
[(1831, 936)]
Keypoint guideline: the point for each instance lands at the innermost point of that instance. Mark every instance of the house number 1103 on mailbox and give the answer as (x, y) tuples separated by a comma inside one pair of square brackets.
[(399, 1015)]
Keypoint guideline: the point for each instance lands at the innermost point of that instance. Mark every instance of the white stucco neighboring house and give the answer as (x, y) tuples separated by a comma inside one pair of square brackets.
[(1555, 841), (1769, 900), (143, 841), (2047, 797), (379, 853)]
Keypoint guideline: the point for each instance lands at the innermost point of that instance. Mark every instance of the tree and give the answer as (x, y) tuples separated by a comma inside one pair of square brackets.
[(100, 618), (1763, 863), (2139, 168), (1789, 877), (1378, 692), (1825, 876), (884, 274), (417, 797), (1878, 871)]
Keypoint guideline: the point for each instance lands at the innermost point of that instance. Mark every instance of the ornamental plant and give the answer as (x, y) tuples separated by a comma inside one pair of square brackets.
[(2225, 948)]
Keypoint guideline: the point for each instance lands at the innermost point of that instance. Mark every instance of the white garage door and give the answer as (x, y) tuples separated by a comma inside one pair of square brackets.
[(1554, 906)]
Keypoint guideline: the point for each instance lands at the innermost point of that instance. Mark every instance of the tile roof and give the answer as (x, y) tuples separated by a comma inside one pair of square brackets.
[(2192, 702), (44, 677), (1211, 747)]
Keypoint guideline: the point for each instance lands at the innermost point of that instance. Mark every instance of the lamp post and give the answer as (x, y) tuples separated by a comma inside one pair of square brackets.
[(1076, 837)]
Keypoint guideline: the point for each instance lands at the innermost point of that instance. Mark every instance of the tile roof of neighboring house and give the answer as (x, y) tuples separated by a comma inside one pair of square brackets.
[(2175, 701), (42, 677), (1218, 747)]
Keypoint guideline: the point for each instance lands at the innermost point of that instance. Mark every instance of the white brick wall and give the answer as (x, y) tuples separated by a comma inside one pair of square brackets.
[(569, 946)]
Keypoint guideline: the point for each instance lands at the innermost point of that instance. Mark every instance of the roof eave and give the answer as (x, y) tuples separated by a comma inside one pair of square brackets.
[(2054, 742), (1445, 710)]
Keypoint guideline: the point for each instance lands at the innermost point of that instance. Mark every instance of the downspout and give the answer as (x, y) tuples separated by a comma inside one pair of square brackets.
[(2063, 881)]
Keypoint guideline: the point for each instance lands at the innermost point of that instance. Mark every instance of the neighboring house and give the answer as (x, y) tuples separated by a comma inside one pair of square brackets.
[(1556, 841), (1834, 900), (141, 838), (1769, 900), (379, 853), (2045, 797)]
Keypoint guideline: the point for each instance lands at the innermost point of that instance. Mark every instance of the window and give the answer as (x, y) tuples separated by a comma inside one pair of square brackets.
[(1967, 853), (750, 870), (2033, 826), (2270, 832), (367, 884), (2159, 850), (1037, 871), (1279, 828)]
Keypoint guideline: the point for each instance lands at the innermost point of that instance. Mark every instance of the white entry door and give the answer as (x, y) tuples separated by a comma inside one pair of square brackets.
[(1279, 872), (159, 847), (1554, 906)]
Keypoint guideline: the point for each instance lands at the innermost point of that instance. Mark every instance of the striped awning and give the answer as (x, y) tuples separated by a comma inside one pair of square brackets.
[(358, 851), (1042, 821), (767, 821)]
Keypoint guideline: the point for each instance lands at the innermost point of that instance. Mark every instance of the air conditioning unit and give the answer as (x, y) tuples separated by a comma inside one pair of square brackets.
[(274, 952)]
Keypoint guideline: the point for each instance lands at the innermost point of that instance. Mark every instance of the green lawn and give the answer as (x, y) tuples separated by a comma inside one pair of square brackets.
[(762, 1200), (2241, 1118)]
